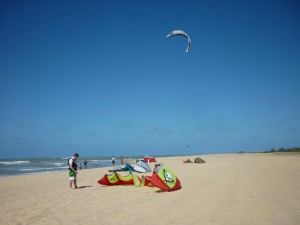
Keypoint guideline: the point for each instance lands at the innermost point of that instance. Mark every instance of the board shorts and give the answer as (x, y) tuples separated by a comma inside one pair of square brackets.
[(72, 175)]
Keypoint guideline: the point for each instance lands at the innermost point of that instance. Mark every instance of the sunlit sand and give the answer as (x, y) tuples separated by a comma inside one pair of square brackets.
[(227, 190)]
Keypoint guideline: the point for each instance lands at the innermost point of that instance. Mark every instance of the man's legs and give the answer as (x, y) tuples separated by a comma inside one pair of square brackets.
[(71, 183), (73, 180), (75, 183)]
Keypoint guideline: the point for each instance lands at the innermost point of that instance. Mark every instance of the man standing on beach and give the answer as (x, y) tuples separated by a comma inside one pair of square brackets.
[(73, 170)]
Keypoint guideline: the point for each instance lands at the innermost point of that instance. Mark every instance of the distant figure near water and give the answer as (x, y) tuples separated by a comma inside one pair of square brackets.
[(122, 160), (113, 160), (85, 164)]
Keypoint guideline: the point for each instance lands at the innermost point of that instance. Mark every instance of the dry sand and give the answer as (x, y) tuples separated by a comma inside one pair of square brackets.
[(245, 189)]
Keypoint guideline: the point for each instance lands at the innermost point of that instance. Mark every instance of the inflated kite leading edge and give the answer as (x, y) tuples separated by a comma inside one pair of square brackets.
[(182, 33)]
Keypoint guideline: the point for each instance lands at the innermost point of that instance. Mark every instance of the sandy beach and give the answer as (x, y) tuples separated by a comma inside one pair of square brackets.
[(228, 190)]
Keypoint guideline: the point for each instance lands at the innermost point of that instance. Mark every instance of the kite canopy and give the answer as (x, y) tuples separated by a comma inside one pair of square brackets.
[(149, 159), (142, 167), (130, 179), (116, 179), (127, 167), (187, 161), (197, 160), (164, 179), (182, 33)]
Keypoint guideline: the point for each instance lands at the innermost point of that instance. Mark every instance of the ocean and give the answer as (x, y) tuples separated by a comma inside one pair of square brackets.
[(20, 166)]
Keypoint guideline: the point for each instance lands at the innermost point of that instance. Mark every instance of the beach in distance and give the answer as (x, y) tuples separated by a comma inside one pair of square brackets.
[(229, 189)]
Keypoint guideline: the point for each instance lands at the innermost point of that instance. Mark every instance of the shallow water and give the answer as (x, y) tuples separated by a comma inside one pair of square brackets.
[(19, 166)]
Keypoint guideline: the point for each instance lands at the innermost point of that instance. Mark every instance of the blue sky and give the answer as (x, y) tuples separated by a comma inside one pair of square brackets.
[(99, 77)]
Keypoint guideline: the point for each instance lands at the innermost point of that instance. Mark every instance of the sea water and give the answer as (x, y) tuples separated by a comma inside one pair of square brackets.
[(19, 166)]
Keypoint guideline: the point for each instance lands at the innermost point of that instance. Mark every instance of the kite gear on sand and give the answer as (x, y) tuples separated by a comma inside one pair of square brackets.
[(161, 177), (197, 160)]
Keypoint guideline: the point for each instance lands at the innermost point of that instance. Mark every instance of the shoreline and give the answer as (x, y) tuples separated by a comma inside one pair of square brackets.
[(157, 157), (103, 163), (107, 161)]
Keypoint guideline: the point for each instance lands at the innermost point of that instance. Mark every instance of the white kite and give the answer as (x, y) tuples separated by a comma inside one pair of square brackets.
[(182, 33)]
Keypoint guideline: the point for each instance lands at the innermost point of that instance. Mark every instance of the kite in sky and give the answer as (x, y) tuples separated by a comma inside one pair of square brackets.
[(182, 33)]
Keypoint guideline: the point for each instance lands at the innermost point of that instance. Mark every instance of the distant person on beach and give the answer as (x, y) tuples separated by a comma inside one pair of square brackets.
[(85, 164), (122, 160), (113, 160), (73, 170)]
